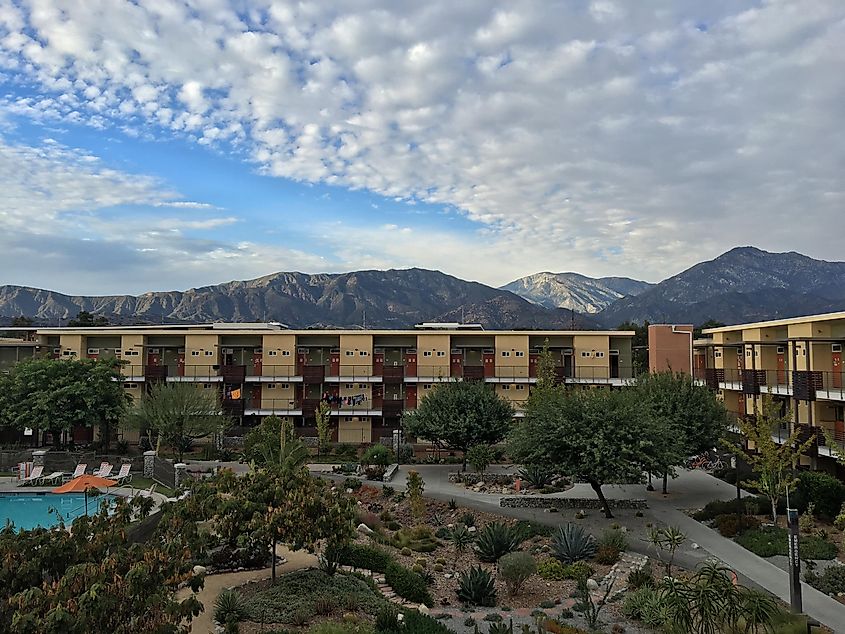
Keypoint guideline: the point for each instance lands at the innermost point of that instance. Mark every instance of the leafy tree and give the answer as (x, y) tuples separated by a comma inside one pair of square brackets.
[(263, 442), (546, 375), (92, 579), (666, 540), (480, 457), (179, 413), (58, 395), (773, 463), (414, 488), (460, 415), (85, 319), (598, 436), (684, 417), (324, 430)]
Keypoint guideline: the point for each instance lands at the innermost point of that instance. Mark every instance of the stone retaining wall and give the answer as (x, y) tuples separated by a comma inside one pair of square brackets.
[(471, 478), (538, 502)]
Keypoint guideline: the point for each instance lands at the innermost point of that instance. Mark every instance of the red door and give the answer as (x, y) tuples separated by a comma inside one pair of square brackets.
[(837, 368), (301, 360), (334, 368), (742, 404), (411, 396), (489, 364), (410, 364), (378, 396), (378, 363), (180, 363), (257, 360), (255, 397), (533, 357), (781, 367), (154, 357), (457, 364)]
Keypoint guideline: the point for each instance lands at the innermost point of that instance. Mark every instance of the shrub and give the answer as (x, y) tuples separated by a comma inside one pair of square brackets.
[(644, 605), (607, 555), (405, 453), (377, 455), (731, 526), (613, 537), (571, 543), (553, 570), (497, 539), (515, 569), (461, 538), (533, 529), (770, 540), (352, 483), (641, 578), (480, 457), (387, 619), (806, 521), (362, 556), (831, 581), (839, 522), (325, 605), (754, 505), (229, 608), (824, 491), (419, 539), (536, 475), (387, 491), (475, 587), (468, 519), (407, 584)]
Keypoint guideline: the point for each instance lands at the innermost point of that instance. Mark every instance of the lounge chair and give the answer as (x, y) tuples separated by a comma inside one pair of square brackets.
[(34, 477), (53, 478), (104, 471), (123, 476), (79, 471)]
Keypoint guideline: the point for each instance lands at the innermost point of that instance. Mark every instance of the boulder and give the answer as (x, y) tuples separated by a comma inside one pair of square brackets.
[(366, 530), (199, 570)]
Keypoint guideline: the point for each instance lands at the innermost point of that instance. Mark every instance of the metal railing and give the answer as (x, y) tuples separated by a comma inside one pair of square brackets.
[(273, 371)]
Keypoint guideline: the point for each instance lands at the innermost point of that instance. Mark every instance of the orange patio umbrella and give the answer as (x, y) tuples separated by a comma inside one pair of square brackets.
[(82, 484)]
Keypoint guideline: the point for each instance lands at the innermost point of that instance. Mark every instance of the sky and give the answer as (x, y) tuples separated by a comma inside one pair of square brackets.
[(168, 144)]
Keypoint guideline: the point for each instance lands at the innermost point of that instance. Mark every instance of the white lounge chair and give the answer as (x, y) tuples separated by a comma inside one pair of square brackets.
[(79, 471), (34, 477), (123, 476), (53, 478), (104, 471)]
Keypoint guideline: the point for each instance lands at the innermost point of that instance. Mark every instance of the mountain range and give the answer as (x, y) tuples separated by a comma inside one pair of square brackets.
[(744, 284)]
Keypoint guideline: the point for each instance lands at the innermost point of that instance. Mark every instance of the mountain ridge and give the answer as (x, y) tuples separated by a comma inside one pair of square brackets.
[(574, 291)]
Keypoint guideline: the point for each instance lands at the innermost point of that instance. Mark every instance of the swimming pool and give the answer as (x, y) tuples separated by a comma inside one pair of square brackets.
[(28, 510)]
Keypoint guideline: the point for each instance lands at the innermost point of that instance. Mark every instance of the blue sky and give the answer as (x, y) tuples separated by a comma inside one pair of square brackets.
[(177, 143)]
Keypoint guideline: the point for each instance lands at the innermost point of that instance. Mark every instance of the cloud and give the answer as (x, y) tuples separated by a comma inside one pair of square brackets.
[(185, 204), (610, 137)]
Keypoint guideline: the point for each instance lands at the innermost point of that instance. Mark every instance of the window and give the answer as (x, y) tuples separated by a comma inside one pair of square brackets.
[(93, 351), (364, 353), (748, 353), (130, 386), (836, 347), (195, 353), (440, 353), (285, 353), (208, 386), (285, 386), (427, 386), (506, 386), (426, 353), (209, 353), (519, 353), (599, 354), (718, 354), (348, 419), (272, 353), (520, 387), (362, 386), (585, 354), (505, 353), (349, 386), (350, 353), (271, 386)]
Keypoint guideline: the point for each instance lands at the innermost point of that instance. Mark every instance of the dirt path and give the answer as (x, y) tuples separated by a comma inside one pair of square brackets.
[(214, 584)]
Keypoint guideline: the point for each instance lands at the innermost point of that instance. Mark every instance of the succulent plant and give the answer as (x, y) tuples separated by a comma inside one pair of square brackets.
[(476, 587), (497, 539), (571, 543), (536, 475)]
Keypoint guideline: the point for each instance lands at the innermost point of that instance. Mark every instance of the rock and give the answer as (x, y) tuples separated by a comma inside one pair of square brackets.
[(695, 546), (472, 529), (423, 609), (349, 491), (366, 530), (199, 570), (592, 584), (448, 575)]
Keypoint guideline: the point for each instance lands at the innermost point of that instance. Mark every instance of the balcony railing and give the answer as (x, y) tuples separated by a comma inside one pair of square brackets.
[(287, 371), (196, 372)]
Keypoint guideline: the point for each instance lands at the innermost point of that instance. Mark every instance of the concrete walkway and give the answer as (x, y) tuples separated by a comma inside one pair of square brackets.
[(215, 584), (691, 490)]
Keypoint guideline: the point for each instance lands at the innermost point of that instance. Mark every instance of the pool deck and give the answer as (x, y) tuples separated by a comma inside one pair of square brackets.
[(10, 485)]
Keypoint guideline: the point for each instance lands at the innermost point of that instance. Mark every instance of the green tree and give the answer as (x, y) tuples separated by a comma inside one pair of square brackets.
[(774, 463), (58, 395), (179, 413), (85, 319), (324, 430), (414, 487), (263, 442), (460, 415), (598, 436), (546, 375), (683, 416), (480, 457)]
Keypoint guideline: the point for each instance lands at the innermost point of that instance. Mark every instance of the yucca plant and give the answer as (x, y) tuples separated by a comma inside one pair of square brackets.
[(497, 539), (461, 538), (229, 610), (476, 587), (536, 475), (571, 543)]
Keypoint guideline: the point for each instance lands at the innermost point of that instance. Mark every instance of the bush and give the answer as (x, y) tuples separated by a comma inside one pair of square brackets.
[(407, 584), (607, 555), (553, 570), (229, 608), (533, 529), (362, 556), (644, 605), (730, 526), (497, 539), (831, 581), (755, 505), (515, 569), (824, 491), (420, 539), (468, 519), (413, 622), (613, 537), (377, 455), (641, 578), (480, 457), (405, 453), (352, 483), (769, 541), (536, 475), (475, 587), (571, 543), (121, 447), (839, 522)]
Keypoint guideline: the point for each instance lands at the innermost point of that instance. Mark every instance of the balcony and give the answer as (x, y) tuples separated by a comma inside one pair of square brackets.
[(392, 408), (235, 374), (201, 373), (275, 406), (393, 374), (276, 373), (832, 387), (155, 372), (232, 407), (313, 374), (353, 373), (473, 372)]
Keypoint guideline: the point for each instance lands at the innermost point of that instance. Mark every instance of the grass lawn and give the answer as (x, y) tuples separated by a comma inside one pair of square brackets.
[(140, 482)]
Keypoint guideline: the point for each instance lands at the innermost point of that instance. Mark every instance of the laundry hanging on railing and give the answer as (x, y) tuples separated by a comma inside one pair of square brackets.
[(344, 401)]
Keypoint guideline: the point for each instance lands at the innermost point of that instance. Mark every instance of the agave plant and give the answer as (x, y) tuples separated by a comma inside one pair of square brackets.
[(497, 539), (476, 587), (571, 543), (229, 610), (536, 475), (461, 538)]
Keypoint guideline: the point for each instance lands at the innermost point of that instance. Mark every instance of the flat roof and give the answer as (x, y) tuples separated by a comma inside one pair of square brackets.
[(778, 322)]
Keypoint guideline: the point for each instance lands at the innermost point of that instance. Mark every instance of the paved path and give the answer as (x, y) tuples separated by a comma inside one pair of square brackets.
[(215, 584), (691, 490)]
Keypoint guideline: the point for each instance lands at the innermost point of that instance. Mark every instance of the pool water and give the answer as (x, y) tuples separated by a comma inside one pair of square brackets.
[(29, 510)]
